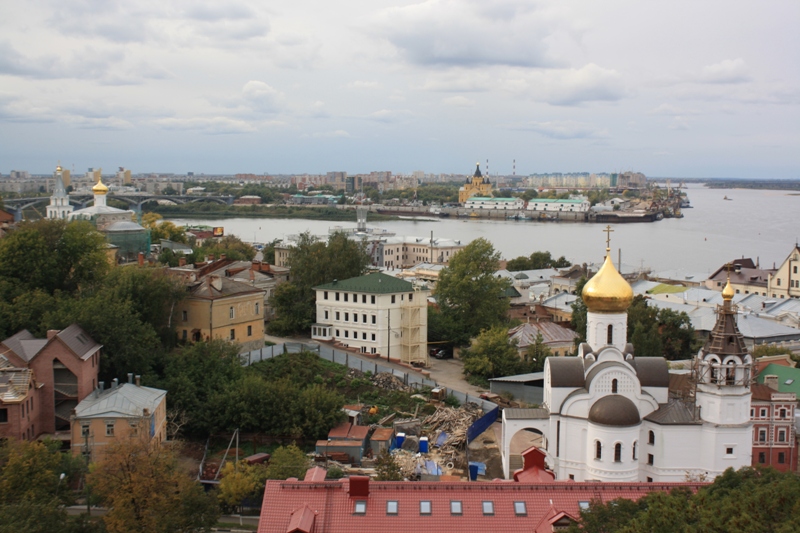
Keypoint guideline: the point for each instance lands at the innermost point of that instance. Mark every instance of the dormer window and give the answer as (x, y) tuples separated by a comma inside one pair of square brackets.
[(360, 507)]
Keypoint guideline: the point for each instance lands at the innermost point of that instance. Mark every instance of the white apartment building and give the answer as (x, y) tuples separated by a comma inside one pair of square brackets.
[(375, 313)]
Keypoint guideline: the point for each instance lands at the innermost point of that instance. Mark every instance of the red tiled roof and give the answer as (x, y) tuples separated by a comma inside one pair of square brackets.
[(316, 474), (302, 521), (334, 507)]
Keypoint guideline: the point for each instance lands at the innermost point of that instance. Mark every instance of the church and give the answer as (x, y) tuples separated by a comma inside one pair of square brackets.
[(477, 186), (608, 415)]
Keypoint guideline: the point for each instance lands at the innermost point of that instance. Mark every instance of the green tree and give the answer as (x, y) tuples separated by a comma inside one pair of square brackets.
[(492, 355), (387, 468), (468, 293), (579, 313), (287, 461), (239, 481), (536, 353), (194, 375), (163, 229), (537, 261), (230, 245), (646, 340), (145, 489)]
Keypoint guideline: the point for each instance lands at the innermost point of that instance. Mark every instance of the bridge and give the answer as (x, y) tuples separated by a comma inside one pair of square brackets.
[(134, 200)]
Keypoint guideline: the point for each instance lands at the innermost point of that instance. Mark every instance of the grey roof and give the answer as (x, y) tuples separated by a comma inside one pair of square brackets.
[(126, 400), (676, 412), (14, 342), (562, 300), (641, 286), (680, 275), (526, 414), (206, 290), (376, 283), (566, 371), (521, 378), (551, 333), (79, 341), (614, 410), (124, 225), (651, 371), (753, 327)]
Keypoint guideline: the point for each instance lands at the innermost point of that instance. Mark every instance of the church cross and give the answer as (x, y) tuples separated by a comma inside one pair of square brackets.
[(608, 231)]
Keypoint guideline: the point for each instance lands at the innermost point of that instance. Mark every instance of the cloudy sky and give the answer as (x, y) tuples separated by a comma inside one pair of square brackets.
[(678, 88)]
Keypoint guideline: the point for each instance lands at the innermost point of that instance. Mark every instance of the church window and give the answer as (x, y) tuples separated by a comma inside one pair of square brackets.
[(633, 455), (650, 459), (598, 450), (729, 450), (610, 335), (614, 386), (618, 453), (651, 438)]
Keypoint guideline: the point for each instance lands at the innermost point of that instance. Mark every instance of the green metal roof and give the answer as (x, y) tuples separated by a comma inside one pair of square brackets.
[(788, 377), (374, 283)]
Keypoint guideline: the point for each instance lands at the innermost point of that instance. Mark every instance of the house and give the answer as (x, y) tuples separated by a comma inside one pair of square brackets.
[(123, 411), (785, 281), (745, 275), (217, 307), (558, 306), (607, 415), (64, 366), (256, 274), (773, 416), (559, 339), (360, 505), (376, 314), (19, 402)]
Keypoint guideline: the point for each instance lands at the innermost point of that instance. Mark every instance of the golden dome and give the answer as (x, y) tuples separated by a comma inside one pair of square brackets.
[(99, 188), (58, 168), (607, 291), (727, 292)]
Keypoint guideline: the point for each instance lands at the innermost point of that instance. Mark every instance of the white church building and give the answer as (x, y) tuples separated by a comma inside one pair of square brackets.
[(608, 415)]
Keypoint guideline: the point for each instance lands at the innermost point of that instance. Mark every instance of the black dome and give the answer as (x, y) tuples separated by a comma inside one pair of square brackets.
[(614, 410)]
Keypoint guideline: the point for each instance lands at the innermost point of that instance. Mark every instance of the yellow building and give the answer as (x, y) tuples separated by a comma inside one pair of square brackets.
[(120, 412), (221, 308), (785, 281), (477, 186)]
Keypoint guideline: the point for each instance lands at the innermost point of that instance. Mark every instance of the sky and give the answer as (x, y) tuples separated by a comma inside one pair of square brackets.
[(678, 89)]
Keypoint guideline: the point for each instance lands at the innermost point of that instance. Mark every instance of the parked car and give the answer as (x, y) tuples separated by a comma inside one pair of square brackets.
[(441, 353)]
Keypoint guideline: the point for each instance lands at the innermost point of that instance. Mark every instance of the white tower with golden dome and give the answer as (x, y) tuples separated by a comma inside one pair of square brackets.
[(100, 191), (607, 297), (59, 208)]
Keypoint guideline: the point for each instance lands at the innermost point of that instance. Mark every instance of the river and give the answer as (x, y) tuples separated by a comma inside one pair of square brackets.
[(753, 223)]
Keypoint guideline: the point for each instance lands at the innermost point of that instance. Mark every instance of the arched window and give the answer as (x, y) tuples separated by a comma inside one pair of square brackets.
[(598, 450), (618, 453), (651, 438), (634, 450), (730, 373), (610, 334), (614, 386)]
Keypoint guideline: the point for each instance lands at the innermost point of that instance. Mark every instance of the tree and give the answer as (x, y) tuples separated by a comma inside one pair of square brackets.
[(537, 261), (387, 468), (579, 313), (536, 354), (646, 340), (239, 481), (287, 461), (492, 355), (163, 229), (468, 292), (145, 490), (313, 263), (230, 245)]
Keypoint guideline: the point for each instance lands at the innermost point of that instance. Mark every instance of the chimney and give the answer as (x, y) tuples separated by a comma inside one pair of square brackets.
[(101, 386), (145, 412), (223, 257), (181, 261), (138, 380), (210, 257), (51, 333), (216, 282), (130, 378), (359, 486), (141, 259), (771, 381), (114, 383)]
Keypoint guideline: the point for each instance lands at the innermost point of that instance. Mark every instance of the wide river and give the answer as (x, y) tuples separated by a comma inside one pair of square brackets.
[(753, 223)]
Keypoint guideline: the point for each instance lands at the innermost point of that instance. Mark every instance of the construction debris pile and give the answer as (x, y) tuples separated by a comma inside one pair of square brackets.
[(387, 381), (447, 427)]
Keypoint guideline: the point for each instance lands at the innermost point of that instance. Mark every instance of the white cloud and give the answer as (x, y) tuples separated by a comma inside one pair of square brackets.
[(727, 71), (211, 125), (359, 84), (390, 116), (261, 97), (331, 134), (565, 129), (459, 101)]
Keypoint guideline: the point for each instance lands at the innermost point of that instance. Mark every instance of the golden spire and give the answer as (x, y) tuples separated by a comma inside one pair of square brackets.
[(607, 291), (99, 188), (728, 292)]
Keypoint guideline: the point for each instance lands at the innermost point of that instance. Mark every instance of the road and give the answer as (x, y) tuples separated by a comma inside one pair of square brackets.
[(446, 372)]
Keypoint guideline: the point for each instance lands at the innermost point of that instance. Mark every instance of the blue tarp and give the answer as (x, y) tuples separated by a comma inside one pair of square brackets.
[(481, 467), (434, 469), (482, 424), (440, 439)]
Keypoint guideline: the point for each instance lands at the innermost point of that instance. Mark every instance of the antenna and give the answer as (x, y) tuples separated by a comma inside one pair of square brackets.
[(514, 167), (487, 167)]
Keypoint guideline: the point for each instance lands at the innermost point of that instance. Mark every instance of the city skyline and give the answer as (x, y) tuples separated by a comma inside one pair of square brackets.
[(680, 89)]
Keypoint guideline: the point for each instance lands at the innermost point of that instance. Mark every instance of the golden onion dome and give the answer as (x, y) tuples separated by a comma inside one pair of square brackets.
[(727, 292), (607, 291), (58, 168), (99, 188)]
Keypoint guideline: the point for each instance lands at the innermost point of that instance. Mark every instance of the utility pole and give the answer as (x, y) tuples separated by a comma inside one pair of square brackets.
[(87, 453), (388, 335)]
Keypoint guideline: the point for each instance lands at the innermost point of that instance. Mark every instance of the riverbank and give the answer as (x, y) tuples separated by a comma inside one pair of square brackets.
[(218, 211)]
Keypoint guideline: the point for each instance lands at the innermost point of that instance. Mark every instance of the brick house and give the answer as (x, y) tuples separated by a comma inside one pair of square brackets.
[(19, 405), (64, 368), (774, 437)]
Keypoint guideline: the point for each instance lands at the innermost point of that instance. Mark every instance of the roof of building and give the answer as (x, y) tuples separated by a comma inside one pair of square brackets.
[(492, 199), (216, 287), (331, 505), (607, 291), (651, 371), (14, 382), (675, 412), (381, 434), (561, 301), (788, 377), (123, 401), (525, 334), (373, 283), (526, 414), (763, 393), (745, 273), (566, 371), (122, 226), (26, 346), (521, 378), (614, 410), (557, 201)]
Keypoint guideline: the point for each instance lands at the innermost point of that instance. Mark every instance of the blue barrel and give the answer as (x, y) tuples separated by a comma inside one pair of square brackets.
[(423, 445), (473, 472), (401, 438)]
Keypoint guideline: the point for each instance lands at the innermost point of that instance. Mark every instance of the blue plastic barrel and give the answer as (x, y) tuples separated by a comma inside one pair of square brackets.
[(473, 472), (423, 445), (401, 438)]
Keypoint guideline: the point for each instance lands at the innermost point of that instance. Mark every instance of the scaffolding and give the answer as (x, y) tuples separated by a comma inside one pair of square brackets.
[(414, 331)]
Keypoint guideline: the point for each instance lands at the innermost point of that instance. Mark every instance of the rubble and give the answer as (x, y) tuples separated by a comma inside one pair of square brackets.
[(387, 381), (453, 422)]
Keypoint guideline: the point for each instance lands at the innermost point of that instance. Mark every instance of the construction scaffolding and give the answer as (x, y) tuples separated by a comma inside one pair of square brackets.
[(414, 330)]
